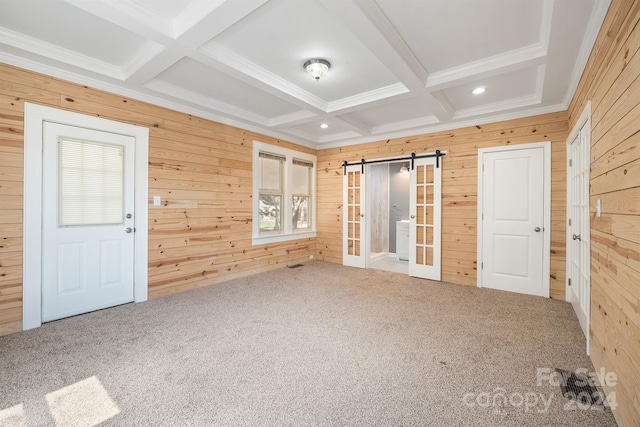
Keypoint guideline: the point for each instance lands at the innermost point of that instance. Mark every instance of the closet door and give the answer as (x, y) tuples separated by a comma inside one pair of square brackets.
[(425, 219), (353, 191)]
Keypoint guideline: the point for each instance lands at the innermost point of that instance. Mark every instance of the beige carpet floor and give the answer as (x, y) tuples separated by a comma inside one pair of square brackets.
[(320, 345)]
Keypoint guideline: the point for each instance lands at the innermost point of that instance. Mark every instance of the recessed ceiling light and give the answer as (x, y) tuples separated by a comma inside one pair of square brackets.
[(479, 90), (324, 126)]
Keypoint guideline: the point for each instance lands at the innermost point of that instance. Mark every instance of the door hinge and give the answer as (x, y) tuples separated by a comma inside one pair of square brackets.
[(483, 216), (482, 265), (569, 221), (483, 167), (569, 281), (570, 162)]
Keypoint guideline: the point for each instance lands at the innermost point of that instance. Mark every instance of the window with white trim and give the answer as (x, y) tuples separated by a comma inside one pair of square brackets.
[(283, 194)]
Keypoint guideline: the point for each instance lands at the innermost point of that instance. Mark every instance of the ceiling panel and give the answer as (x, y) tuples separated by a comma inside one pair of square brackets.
[(449, 33), (283, 34), (504, 87), (403, 110), (58, 23), (211, 85)]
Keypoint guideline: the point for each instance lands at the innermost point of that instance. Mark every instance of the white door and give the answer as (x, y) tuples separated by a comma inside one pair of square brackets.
[(578, 244), (87, 221), (513, 218), (425, 196), (353, 202)]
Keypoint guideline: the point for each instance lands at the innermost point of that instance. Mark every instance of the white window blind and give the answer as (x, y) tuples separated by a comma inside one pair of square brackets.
[(301, 194), (90, 184)]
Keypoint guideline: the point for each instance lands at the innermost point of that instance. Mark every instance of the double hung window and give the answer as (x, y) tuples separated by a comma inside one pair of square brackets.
[(283, 194)]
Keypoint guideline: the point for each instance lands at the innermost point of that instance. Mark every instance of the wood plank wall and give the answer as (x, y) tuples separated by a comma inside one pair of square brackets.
[(201, 234), (611, 81), (459, 189)]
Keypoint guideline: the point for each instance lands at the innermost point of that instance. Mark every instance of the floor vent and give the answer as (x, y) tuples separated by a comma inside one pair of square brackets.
[(579, 387), (295, 265)]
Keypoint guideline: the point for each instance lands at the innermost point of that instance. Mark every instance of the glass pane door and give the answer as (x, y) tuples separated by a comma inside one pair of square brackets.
[(353, 217), (425, 219)]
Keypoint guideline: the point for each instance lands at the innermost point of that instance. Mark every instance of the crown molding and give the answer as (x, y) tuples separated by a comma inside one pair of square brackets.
[(56, 53), (447, 126), (405, 124), (187, 95), (493, 65), (291, 118), (367, 97)]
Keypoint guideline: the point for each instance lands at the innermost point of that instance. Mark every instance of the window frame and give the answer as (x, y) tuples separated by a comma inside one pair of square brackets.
[(287, 232)]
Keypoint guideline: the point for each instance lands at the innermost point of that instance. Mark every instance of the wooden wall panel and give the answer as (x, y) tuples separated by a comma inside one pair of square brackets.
[(201, 234), (459, 189), (611, 82)]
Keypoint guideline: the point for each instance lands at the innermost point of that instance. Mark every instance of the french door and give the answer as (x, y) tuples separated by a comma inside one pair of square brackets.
[(425, 218), (578, 239), (354, 235)]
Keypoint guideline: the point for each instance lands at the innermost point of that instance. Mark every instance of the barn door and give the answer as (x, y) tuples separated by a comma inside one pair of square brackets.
[(353, 190), (425, 219)]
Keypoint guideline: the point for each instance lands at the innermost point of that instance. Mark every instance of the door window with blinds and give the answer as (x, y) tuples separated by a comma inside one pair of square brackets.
[(283, 194), (90, 184)]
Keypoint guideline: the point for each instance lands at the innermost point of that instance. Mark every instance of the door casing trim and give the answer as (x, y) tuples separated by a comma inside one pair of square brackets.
[(546, 249), (34, 117)]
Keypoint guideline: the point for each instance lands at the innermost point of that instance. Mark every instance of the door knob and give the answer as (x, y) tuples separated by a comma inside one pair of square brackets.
[(413, 216), (537, 229), (129, 216), (128, 230), (576, 237), (361, 215)]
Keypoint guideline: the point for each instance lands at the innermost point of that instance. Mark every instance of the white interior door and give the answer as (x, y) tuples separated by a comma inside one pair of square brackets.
[(354, 231), (425, 196), (87, 221), (578, 242), (513, 220)]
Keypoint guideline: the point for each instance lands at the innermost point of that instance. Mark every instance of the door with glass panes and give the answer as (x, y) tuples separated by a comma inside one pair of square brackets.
[(425, 218), (354, 237)]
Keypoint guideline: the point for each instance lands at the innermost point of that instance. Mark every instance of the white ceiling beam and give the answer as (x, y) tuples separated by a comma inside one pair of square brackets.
[(514, 60), (370, 25)]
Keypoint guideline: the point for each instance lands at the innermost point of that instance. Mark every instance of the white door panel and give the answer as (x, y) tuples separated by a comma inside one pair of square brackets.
[(513, 221), (88, 220)]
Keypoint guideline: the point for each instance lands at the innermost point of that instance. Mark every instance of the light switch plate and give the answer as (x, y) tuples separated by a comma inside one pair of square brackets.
[(156, 200)]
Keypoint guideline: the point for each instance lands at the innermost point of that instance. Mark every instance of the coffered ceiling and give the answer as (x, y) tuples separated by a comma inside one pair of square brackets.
[(398, 67)]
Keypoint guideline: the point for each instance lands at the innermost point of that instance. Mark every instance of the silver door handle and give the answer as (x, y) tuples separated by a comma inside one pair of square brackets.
[(576, 237), (361, 215), (412, 216), (128, 230), (537, 229)]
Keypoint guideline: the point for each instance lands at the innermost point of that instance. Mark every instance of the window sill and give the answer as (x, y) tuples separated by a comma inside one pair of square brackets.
[(282, 237)]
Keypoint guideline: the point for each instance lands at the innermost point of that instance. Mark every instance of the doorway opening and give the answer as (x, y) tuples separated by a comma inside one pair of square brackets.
[(389, 219)]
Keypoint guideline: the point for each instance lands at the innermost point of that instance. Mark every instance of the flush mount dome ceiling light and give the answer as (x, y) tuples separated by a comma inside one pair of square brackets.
[(317, 67)]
